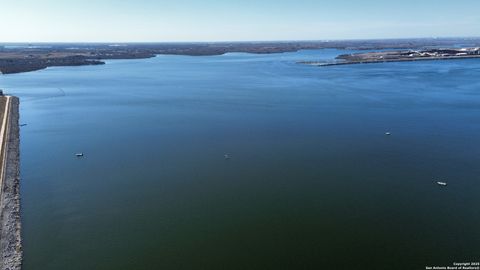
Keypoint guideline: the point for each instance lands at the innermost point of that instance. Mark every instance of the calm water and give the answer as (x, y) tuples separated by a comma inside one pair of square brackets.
[(312, 182)]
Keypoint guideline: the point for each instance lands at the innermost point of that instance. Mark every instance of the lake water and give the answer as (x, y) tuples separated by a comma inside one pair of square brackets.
[(312, 182)]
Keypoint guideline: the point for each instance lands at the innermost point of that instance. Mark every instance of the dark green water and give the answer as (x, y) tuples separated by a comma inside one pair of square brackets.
[(312, 183)]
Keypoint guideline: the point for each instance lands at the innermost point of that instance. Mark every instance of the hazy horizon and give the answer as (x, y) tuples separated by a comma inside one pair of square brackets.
[(237, 41), (108, 21)]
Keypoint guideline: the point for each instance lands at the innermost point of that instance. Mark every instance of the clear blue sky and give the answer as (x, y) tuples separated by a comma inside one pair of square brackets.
[(234, 20)]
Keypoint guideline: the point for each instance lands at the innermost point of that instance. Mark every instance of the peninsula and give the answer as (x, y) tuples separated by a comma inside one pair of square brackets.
[(399, 56)]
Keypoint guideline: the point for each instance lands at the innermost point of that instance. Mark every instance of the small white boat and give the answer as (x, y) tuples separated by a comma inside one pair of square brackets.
[(226, 156), (441, 183), (388, 133), (79, 154)]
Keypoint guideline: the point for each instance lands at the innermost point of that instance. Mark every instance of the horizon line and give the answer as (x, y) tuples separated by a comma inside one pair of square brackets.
[(241, 41)]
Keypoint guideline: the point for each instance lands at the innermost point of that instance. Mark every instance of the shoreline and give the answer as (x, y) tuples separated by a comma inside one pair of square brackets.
[(32, 58), (324, 64), (10, 229), (401, 56)]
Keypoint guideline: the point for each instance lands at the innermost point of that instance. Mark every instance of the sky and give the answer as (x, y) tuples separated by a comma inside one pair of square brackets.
[(234, 20)]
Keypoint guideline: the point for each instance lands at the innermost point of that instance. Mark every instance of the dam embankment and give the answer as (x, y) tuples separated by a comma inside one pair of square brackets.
[(10, 223)]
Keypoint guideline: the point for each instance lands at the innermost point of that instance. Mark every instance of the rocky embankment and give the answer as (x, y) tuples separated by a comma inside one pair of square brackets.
[(10, 227)]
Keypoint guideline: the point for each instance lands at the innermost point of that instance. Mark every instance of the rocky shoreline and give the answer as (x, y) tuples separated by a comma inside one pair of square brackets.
[(10, 230)]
